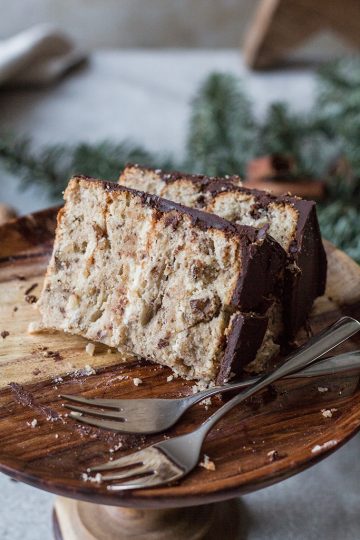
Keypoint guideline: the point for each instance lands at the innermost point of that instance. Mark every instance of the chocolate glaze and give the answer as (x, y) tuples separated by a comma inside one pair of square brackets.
[(245, 338), (307, 251), (262, 262), (259, 254)]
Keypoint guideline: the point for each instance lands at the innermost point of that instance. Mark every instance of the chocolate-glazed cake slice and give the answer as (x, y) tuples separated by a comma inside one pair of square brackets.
[(291, 221), (172, 284)]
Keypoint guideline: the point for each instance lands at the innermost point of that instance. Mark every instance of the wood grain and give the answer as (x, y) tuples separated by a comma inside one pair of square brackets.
[(53, 454), (79, 520)]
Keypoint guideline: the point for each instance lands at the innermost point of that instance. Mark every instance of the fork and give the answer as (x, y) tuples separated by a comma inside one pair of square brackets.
[(169, 460), (147, 416)]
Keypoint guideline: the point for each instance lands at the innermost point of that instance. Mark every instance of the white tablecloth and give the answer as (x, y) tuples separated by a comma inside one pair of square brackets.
[(145, 96)]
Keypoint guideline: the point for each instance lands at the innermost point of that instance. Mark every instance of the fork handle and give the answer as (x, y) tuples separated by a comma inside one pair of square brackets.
[(318, 345), (341, 363)]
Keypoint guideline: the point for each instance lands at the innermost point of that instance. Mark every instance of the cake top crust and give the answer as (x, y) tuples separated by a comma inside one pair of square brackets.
[(263, 258), (203, 220)]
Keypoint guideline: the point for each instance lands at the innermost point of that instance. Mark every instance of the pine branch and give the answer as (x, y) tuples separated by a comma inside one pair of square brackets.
[(51, 167), (224, 136), (222, 128)]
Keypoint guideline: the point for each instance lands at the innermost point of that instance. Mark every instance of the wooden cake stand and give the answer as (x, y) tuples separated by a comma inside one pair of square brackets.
[(272, 437)]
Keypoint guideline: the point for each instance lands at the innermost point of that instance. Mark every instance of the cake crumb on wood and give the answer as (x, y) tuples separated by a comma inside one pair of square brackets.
[(325, 446), (90, 349), (87, 370), (322, 389), (33, 423), (273, 455), (31, 298), (30, 289), (87, 478), (327, 413), (170, 378), (206, 463), (137, 381), (35, 327), (115, 448), (4, 334)]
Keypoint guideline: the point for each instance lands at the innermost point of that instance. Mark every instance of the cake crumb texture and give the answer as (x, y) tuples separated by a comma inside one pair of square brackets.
[(149, 277)]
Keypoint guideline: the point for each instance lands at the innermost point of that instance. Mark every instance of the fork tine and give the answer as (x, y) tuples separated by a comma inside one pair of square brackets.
[(106, 403), (120, 475), (145, 481), (95, 412), (131, 459), (92, 421)]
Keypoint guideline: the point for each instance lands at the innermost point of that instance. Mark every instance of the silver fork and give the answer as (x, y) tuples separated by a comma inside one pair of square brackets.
[(155, 415), (172, 459)]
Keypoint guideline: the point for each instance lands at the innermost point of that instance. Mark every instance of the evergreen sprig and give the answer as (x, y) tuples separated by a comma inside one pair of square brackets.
[(224, 135), (51, 167)]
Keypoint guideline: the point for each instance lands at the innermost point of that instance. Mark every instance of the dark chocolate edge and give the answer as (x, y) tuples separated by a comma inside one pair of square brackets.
[(203, 220), (261, 250), (309, 253), (244, 340), (172, 176), (267, 265), (258, 252)]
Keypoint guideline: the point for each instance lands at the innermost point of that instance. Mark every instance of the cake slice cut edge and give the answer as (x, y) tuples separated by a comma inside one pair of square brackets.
[(291, 221), (154, 278)]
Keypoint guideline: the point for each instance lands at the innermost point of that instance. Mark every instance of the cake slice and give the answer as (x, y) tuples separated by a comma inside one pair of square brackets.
[(171, 284), (291, 221)]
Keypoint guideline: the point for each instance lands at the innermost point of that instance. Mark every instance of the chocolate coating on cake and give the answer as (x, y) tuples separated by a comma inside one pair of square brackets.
[(261, 268), (305, 275), (245, 338)]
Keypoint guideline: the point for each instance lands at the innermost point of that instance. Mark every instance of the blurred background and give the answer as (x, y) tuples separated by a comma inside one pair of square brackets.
[(152, 23), (87, 85)]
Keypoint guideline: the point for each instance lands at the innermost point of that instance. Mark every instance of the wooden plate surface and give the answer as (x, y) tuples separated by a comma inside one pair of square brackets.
[(35, 369)]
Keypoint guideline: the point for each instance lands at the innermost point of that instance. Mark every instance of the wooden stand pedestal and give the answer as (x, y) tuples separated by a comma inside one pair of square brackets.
[(78, 520)]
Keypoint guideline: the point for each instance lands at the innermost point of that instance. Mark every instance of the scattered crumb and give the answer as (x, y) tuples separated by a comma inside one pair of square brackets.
[(15, 308), (58, 380), (30, 298), (109, 351), (90, 349), (206, 463), (97, 478), (327, 413), (56, 435), (323, 389), (87, 370), (30, 289), (319, 447), (273, 455), (206, 402), (33, 423), (137, 381), (170, 378), (4, 334), (35, 327), (115, 448), (53, 354), (200, 386)]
